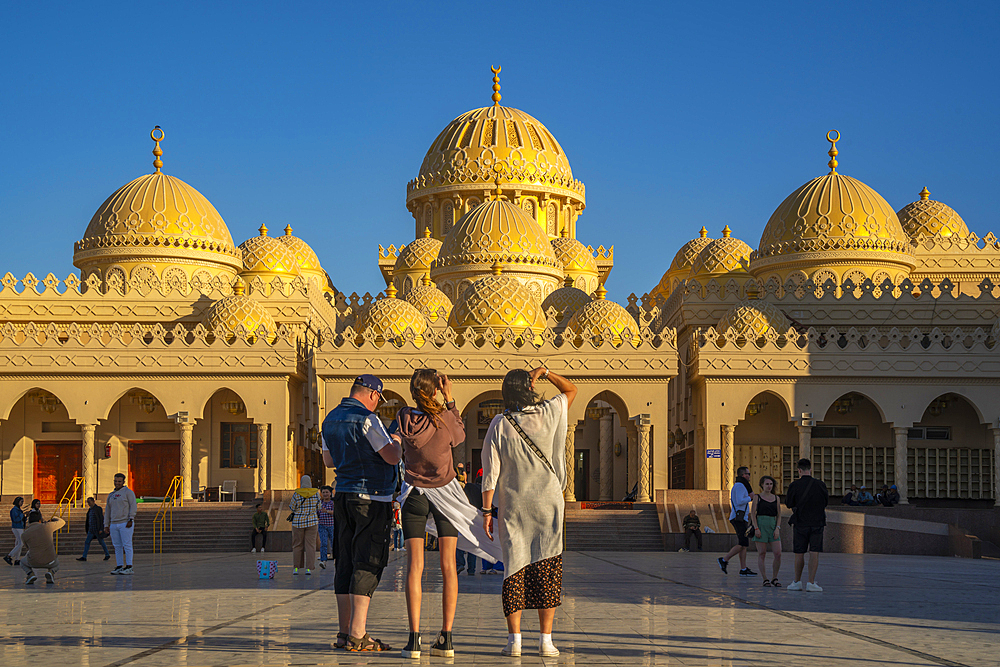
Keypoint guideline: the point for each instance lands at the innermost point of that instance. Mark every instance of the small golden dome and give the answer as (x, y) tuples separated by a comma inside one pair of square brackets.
[(753, 318), (267, 255), (429, 300), (499, 302), (931, 218), (305, 258), (390, 318), (722, 256), (573, 255), (566, 300), (498, 231), (681, 265), (418, 255), (601, 317), (238, 309)]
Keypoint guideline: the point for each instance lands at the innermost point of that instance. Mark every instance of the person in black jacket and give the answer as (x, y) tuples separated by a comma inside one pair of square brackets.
[(95, 528), (807, 497)]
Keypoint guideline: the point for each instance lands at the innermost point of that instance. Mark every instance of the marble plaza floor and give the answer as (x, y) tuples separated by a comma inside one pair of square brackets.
[(618, 609)]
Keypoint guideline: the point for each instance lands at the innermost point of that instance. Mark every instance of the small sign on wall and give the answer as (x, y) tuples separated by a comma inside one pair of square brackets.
[(713, 453)]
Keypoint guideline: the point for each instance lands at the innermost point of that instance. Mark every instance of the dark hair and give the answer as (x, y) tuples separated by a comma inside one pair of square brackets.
[(804, 464), (517, 391), (36, 503), (741, 470), (423, 389), (258, 505), (34, 517), (18, 501), (774, 484), (120, 474), (91, 498), (326, 487)]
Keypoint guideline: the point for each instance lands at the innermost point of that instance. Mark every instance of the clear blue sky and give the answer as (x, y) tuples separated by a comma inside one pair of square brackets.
[(675, 115)]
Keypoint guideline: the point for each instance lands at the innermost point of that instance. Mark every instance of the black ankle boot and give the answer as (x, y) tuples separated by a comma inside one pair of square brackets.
[(412, 649), (442, 646)]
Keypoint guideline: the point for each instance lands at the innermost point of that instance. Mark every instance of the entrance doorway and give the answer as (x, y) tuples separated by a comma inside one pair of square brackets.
[(56, 464), (582, 475), (152, 465)]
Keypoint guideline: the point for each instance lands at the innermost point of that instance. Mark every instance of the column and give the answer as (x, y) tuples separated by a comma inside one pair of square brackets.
[(632, 456), (607, 455), (89, 468), (187, 433), (900, 434), (996, 465), (728, 456), (262, 458), (805, 448), (569, 493), (643, 433)]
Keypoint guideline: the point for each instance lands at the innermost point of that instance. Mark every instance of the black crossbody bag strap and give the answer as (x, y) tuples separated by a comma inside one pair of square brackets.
[(532, 445)]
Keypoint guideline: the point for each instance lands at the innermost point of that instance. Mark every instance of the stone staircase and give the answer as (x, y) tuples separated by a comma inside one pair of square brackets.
[(636, 529), (197, 527)]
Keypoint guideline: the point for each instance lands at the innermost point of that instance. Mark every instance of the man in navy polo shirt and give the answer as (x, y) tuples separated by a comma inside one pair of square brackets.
[(365, 457)]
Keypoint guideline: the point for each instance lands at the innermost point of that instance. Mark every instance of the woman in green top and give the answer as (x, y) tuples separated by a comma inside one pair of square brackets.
[(765, 517), (260, 522)]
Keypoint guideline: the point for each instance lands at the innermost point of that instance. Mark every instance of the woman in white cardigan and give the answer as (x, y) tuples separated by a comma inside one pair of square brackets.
[(524, 465)]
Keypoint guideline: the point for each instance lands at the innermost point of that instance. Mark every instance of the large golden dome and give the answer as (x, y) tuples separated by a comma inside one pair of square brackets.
[(927, 217), (497, 301), (566, 300), (681, 265), (601, 318), (753, 318), (429, 300), (390, 318), (578, 262), (265, 255), (160, 220), (237, 310), (306, 259), (723, 256), (833, 220)]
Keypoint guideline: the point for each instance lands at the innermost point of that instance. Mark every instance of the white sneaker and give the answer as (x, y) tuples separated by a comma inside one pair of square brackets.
[(262, 549), (295, 570), (127, 570), (547, 650), (253, 551), (322, 564), (49, 579), (309, 571), (795, 586), (511, 650), (813, 588)]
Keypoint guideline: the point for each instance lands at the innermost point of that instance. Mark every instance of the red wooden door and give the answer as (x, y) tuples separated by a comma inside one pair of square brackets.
[(151, 466), (56, 464)]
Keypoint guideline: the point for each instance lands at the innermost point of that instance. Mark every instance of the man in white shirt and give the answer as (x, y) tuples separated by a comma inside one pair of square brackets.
[(119, 519), (739, 500)]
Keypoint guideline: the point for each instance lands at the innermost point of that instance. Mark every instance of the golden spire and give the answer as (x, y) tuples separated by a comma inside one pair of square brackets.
[(288, 230), (564, 232), (726, 231), (496, 85), (925, 194), (157, 151), (238, 287), (498, 192), (426, 280), (568, 282), (600, 293), (833, 152), (497, 268), (390, 291), (427, 232), (703, 232), (262, 229)]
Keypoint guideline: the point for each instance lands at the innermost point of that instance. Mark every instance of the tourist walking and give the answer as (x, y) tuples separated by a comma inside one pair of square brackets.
[(692, 526), (36, 508), (766, 519), (327, 536), (95, 529), (305, 521), (41, 551), (119, 520), (524, 466), (739, 500), (259, 522), (807, 497), (366, 459), (429, 431), (17, 519)]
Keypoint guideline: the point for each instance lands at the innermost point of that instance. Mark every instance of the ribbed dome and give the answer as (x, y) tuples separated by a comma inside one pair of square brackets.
[(306, 258), (418, 255), (931, 218), (601, 316), (681, 265), (498, 231), (390, 318), (266, 255), (752, 319), (499, 302), (157, 218), (722, 256), (566, 300), (429, 300), (238, 309)]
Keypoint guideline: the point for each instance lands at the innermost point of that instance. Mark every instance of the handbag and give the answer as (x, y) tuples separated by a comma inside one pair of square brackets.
[(532, 445), (291, 517)]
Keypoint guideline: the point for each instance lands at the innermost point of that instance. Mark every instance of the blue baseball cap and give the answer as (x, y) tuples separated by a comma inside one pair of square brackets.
[(369, 381)]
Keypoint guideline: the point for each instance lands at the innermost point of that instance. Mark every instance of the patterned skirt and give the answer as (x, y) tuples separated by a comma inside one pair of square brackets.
[(537, 586)]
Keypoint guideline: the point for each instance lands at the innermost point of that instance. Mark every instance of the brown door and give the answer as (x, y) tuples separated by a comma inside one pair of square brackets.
[(56, 464), (152, 465)]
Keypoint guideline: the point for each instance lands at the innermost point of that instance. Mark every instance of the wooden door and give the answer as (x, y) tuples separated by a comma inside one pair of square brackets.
[(152, 465), (56, 464), (761, 460)]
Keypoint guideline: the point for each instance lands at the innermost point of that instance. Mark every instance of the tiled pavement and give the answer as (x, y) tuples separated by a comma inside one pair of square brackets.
[(618, 608)]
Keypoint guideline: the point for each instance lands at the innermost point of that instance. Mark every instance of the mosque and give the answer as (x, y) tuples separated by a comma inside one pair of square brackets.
[(854, 334)]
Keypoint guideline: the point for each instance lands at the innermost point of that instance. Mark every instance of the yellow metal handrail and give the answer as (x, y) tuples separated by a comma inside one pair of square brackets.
[(165, 514), (77, 487)]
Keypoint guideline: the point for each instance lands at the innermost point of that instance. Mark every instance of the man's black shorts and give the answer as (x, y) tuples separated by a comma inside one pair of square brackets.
[(363, 527), (807, 538), (741, 531), (414, 514)]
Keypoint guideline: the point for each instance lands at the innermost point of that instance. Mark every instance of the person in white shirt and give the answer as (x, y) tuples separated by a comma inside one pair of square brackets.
[(119, 519), (739, 499)]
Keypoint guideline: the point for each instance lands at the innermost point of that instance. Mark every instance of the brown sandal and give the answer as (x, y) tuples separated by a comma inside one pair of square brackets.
[(341, 642), (365, 644)]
